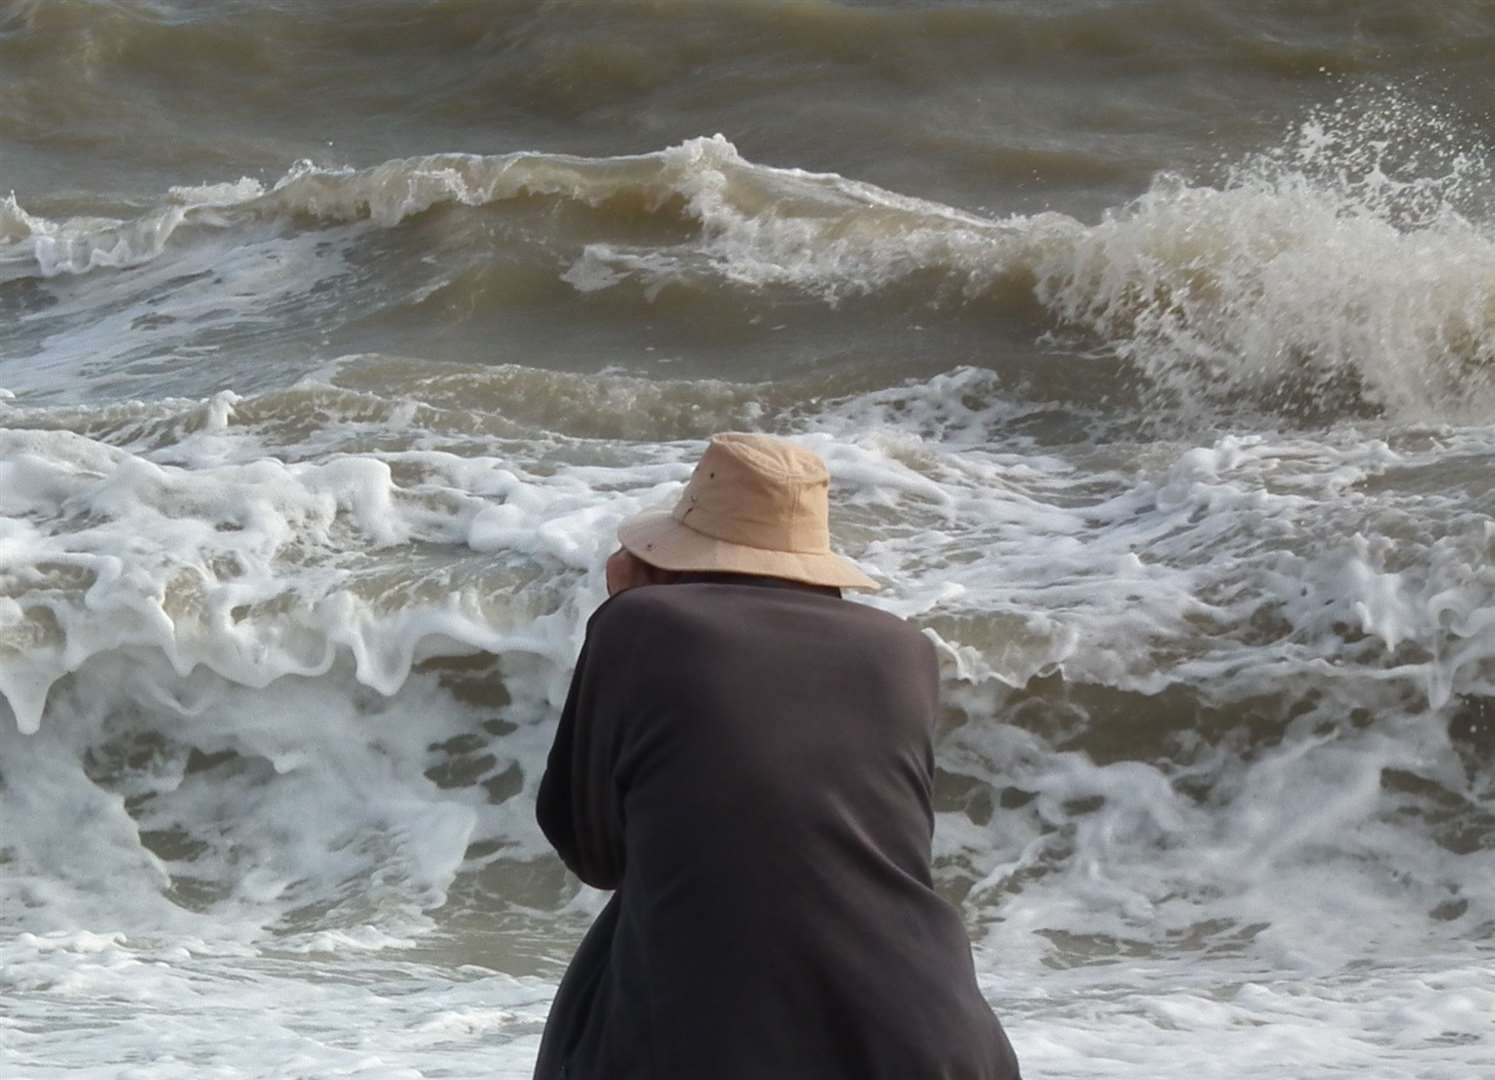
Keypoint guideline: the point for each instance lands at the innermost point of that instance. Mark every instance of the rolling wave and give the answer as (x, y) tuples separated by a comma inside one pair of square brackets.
[(1214, 296)]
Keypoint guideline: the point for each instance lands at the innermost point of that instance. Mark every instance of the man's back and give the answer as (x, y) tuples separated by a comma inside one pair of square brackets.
[(748, 764)]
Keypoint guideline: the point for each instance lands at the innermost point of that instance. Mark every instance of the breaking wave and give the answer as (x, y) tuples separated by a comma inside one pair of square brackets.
[(1210, 295)]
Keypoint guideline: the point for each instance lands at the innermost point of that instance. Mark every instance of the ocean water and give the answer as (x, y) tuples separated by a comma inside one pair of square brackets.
[(1152, 348)]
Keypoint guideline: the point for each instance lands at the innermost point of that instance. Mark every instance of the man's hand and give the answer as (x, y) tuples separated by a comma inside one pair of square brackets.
[(625, 571)]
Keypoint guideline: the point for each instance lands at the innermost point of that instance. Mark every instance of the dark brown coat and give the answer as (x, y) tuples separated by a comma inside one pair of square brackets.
[(748, 764)]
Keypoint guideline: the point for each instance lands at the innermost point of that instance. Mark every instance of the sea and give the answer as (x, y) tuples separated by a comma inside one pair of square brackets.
[(1150, 344)]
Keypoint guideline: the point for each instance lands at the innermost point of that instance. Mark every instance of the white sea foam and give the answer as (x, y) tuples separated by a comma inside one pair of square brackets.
[(173, 1012), (222, 599), (202, 556), (166, 1011), (205, 599)]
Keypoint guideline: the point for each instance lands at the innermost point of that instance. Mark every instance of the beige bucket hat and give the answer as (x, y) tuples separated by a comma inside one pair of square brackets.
[(754, 505)]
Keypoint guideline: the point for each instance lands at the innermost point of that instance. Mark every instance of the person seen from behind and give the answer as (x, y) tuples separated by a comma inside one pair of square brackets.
[(746, 760)]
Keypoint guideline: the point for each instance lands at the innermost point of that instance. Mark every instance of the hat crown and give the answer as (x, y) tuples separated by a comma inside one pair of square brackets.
[(761, 492)]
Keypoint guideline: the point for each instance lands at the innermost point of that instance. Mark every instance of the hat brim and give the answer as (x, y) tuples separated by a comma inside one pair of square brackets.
[(659, 540)]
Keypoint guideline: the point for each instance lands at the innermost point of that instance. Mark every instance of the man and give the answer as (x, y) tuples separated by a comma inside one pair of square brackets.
[(746, 759)]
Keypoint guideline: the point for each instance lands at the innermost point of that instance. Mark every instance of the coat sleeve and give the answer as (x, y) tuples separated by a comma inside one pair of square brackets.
[(580, 807)]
